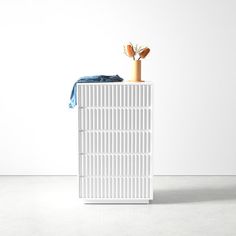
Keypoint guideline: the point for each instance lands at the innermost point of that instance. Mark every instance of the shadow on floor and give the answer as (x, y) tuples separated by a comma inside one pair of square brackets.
[(194, 195)]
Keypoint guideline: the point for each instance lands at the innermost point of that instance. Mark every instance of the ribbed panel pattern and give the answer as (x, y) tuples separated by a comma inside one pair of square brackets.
[(115, 141), (107, 165), (110, 95), (115, 187), (115, 119)]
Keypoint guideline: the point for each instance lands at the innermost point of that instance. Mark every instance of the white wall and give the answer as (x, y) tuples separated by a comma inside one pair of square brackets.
[(46, 45)]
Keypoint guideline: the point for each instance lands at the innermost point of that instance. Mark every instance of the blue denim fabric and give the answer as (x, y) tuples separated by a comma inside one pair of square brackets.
[(91, 79)]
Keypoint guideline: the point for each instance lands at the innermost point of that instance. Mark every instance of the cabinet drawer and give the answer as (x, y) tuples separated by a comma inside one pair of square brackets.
[(114, 119), (114, 95), (115, 187), (105, 165), (115, 142)]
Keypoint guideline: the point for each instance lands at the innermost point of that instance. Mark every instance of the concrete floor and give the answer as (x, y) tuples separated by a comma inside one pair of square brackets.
[(183, 205)]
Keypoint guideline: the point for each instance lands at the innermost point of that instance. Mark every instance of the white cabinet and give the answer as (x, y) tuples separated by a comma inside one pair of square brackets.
[(115, 142)]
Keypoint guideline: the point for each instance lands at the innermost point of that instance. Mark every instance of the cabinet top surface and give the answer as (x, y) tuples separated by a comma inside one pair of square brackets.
[(117, 83)]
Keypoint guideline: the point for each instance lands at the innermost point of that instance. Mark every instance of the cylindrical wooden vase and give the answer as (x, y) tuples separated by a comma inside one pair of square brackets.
[(136, 71)]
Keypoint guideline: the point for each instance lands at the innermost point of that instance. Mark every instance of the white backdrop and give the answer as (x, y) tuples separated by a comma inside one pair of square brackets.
[(46, 45)]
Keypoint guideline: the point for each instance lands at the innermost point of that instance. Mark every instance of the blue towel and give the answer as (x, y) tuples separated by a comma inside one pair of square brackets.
[(91, 79)]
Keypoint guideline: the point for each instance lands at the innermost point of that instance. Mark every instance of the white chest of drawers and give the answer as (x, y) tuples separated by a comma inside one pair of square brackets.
[(115, 142)]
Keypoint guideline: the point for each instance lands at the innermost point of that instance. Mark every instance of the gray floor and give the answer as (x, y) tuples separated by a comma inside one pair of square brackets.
[(183, 205)]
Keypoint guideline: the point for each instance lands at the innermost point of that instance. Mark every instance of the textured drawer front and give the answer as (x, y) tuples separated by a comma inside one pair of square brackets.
[(115, 187), (115, 142), (110, 95), (115, 119), (106, 165)]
